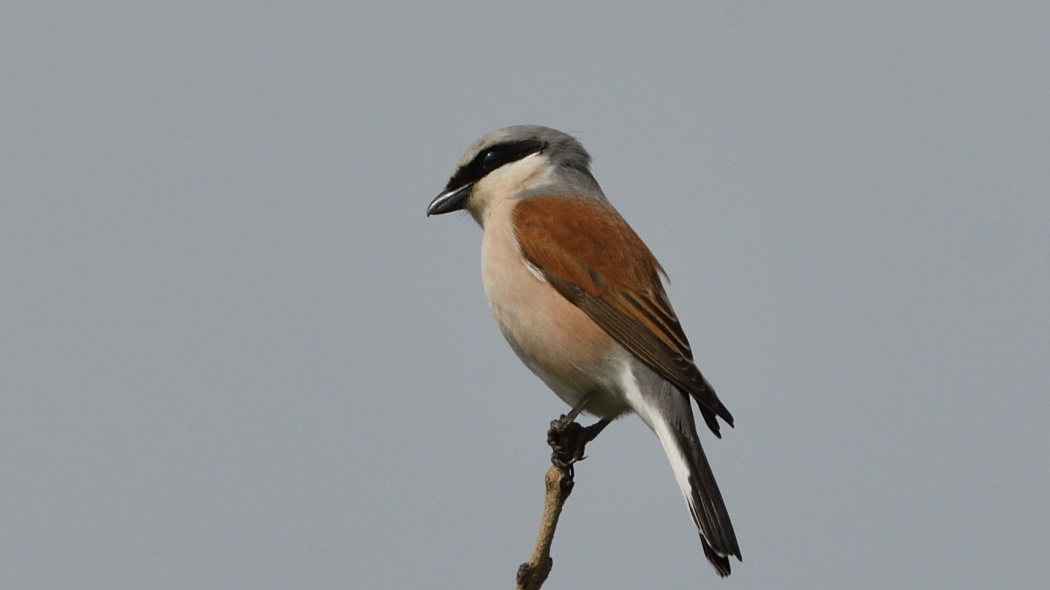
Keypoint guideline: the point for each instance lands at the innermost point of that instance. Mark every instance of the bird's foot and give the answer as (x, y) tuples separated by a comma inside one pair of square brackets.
[(568, 440)]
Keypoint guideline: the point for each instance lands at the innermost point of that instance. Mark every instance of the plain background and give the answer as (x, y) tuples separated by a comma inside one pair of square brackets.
[(234, 352)]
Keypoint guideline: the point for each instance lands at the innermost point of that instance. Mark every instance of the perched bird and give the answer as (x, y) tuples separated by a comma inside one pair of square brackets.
[(578, 296)]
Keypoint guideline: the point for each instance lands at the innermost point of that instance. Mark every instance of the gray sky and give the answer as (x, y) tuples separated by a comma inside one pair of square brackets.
[(234, 353)]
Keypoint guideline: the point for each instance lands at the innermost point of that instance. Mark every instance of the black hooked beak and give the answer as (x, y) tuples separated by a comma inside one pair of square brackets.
[(450, 200)]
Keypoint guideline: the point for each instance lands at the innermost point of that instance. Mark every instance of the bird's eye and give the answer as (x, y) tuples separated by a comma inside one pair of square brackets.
[(490, 160)]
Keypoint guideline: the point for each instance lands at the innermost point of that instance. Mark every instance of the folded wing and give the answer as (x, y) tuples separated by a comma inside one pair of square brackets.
[(592, 257)]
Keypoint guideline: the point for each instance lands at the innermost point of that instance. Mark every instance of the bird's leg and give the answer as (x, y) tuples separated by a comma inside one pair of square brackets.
[(577, 409), (591, 432), (568, 439)]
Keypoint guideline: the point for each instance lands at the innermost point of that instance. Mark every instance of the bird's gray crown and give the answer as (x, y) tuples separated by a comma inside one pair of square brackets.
[(510, 144)]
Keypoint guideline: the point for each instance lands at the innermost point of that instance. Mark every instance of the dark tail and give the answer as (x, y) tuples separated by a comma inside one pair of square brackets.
[(672, 420)]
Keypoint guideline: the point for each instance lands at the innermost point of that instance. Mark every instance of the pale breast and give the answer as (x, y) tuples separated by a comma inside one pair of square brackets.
[(553, 337)]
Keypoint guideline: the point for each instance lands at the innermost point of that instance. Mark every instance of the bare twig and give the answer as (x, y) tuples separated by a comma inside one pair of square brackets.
[(533, 573), (568, 440)]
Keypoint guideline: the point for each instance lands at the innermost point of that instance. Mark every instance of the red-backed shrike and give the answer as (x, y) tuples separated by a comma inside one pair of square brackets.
[(578, 296)]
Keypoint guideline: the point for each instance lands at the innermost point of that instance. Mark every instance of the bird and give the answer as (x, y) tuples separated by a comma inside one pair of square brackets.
[(579, 298)]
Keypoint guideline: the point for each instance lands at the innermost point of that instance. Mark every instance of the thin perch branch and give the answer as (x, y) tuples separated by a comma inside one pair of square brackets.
[(568, 440), (533, 573)]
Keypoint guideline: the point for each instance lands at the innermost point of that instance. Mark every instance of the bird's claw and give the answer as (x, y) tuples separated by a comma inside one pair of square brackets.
[(568, 440), (567, 445)]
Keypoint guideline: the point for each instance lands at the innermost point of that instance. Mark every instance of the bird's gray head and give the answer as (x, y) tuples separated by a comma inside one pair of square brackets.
[(516, 162)]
